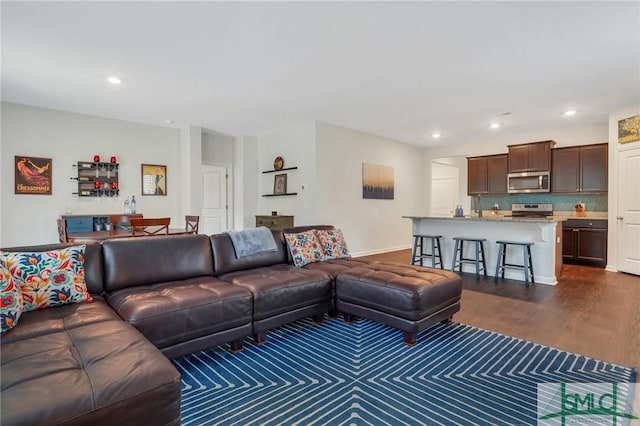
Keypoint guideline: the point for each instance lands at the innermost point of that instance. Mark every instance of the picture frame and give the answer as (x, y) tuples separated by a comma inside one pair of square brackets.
[(629, 129), (377, 182), (32, 175), (280, 184), (153, 179)]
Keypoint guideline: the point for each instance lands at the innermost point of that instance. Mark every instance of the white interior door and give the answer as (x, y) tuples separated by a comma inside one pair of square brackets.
[(628, 214), (444, 189), (215, 207)]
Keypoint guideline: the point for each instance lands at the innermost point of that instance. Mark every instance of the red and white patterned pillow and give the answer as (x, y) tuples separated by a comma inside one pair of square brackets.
[(49, 278), (333, 244), (10, 300), (304, 248)]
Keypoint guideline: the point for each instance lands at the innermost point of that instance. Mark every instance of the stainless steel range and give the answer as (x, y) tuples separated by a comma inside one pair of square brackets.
[(532, 210)]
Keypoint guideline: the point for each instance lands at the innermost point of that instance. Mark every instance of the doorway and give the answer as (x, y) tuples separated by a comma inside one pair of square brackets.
[(628, 211), (215, 199), (448, 185)]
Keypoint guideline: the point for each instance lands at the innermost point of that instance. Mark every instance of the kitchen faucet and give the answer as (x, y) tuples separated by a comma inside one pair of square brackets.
[(479, 205)]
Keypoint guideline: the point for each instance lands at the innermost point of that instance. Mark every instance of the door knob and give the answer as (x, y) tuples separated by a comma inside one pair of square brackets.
[(619, 218)]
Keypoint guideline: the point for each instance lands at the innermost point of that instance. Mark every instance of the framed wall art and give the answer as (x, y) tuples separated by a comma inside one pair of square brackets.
[(154, 179), (377, 181), (32, 175), (280, 184), (629, 129)]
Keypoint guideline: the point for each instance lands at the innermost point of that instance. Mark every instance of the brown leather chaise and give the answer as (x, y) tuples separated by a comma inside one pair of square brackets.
[(81, 364)]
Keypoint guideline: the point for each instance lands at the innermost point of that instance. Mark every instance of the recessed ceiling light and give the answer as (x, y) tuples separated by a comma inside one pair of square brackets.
[(435, 135), (114, 80), (494, 125), (570, 112), (168, 121)]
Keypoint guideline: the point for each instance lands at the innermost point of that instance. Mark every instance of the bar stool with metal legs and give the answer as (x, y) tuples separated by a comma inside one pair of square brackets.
[(476, 260), (418, 254), (527, 266)]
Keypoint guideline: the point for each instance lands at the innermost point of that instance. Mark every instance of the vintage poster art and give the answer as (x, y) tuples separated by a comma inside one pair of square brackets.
[(377, 181), (32, 175), (629, 129), (154, 179)]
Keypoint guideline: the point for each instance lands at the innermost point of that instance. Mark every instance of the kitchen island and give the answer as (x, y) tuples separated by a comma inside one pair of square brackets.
[(546, 233)]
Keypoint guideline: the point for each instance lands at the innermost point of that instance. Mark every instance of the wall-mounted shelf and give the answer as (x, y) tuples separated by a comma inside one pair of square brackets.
[(281, 170), (104, 175), (279, 195)]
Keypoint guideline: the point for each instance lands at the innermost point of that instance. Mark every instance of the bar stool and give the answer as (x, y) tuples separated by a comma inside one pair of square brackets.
[(476, 260), (419, 254), (527, 266)]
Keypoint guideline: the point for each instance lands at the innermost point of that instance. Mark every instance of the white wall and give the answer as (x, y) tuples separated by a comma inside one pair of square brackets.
[(296, 143), (370, 226), (245, 181), (614, 148), (217, 148), (67, 138)]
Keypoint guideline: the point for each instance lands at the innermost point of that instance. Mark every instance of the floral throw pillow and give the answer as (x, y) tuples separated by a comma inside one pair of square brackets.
[(304, 248), (49, 278), (10, 300), (333, 244)]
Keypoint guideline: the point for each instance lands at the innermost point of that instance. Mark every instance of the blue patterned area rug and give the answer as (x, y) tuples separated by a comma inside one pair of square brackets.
[(362, 374)]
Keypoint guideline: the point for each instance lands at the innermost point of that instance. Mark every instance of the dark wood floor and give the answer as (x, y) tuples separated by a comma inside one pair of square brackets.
[(590, 311)]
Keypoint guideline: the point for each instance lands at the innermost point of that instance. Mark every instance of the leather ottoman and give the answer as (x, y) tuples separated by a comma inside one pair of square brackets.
[(406, 297)]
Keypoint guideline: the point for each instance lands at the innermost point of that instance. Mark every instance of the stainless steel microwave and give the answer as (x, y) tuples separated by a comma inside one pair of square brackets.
[(528, 182)]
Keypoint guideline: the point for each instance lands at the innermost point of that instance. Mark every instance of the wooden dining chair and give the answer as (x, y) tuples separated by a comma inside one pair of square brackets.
[(62, 231), (141, 227), (122, 221), (191, 224)]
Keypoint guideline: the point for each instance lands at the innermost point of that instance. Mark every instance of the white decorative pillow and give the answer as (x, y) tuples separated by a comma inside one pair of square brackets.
[(333, 244), (10, 300), (304, 248), (49, 278)]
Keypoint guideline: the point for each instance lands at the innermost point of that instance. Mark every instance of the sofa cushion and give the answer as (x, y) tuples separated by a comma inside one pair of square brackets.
[(169, 313), (60, 367), (281, 288), (225, 260), (10, 300), (49, 278), (304, 248), (142, 261), (333, 244)]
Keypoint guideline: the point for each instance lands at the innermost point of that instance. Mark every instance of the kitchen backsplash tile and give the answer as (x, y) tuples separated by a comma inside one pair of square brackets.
[(593, 202)]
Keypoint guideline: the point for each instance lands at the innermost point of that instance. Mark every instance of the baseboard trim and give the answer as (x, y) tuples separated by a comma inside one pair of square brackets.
[(379, 251)]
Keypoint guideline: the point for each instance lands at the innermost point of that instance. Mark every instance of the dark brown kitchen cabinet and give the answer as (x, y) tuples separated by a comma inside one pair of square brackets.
[(584, 241), (487, 174), (580, 169), (530, 157)]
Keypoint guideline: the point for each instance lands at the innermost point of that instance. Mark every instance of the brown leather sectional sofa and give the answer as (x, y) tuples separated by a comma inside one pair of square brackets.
[(82, 364)]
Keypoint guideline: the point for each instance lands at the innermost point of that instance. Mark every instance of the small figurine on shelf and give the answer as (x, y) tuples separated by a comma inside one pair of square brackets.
[(132, 205)]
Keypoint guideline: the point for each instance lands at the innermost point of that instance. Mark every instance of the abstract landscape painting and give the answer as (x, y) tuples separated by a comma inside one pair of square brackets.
[(377, 181)]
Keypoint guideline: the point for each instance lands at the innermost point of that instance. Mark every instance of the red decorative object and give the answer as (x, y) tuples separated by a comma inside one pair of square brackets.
[(96, 158), (114, 185), (96, 185), (113, 159)]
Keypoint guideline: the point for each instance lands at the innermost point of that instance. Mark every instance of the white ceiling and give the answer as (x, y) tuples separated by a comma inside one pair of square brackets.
[(399, 70)]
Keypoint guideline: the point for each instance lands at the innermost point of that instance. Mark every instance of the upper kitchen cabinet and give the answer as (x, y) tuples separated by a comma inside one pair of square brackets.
[(580, 169), (487, 174), (530, 157)]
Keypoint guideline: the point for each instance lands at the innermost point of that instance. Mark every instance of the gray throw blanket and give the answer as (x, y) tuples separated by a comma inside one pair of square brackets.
[(252, 241)]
